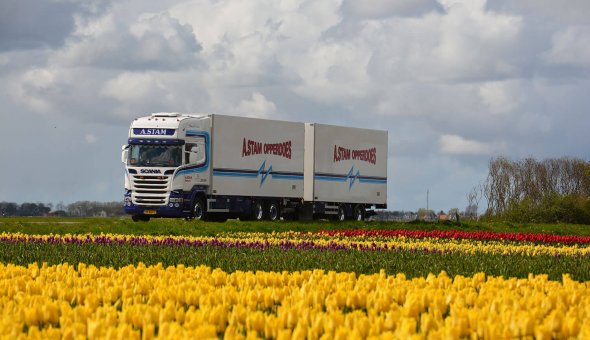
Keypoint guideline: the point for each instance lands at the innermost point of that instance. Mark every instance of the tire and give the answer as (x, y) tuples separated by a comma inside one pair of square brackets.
[(258, 211), (198, 211), (359, 212), (341, 216), (273, 212)]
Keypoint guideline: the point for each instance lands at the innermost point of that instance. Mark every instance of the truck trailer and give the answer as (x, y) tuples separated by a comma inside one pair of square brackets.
[(212, 167)]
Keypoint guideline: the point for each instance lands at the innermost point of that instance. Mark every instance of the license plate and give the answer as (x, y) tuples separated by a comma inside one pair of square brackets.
[(149, 212)]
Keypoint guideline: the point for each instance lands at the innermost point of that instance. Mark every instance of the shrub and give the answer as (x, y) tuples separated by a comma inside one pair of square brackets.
[(552, 209)]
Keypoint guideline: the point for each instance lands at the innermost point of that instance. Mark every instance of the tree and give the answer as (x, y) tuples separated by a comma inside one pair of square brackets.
[(60, 206), (454, 215), (473, 198), (33, 209), (8, 208), (538, 191)]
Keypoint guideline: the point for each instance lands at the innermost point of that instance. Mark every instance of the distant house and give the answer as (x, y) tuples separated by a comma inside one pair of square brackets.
[(441, 216), (426, 214)]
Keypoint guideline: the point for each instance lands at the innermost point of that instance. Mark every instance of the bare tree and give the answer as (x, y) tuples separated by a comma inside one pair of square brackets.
[(511, 182), (473, 198)]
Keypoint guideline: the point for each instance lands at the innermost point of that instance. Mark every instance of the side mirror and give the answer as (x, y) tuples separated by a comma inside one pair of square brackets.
[(124, 153)]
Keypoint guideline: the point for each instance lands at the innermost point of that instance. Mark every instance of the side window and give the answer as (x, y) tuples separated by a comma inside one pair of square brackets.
[(195, 152), (201, 155), (187, 152)]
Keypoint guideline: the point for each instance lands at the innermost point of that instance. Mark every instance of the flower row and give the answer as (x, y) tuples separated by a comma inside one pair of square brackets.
[(200, 302), (458, 234), (307, 241), (367, 241)]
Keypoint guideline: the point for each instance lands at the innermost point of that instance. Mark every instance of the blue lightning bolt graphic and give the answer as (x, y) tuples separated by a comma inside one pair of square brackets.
[(264, 173), (351, 177)]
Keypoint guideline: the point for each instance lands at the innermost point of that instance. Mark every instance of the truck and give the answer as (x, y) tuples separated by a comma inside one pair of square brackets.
[(214, 167)]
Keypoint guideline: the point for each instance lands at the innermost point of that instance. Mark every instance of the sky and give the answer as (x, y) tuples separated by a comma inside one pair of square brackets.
[(454, 82)]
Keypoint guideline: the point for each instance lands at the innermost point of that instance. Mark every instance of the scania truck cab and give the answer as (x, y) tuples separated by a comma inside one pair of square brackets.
[(167, 165)]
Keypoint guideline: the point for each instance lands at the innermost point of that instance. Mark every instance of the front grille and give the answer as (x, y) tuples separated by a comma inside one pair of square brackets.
[(150, 190)]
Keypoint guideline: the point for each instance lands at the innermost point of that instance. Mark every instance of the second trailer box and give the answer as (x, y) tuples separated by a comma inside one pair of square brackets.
[(344, 164)]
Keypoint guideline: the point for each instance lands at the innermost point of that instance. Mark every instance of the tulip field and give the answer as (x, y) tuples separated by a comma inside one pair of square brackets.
[(372, 281)]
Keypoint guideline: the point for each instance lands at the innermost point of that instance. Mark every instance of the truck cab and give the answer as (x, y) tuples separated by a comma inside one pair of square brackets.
[(166, 162)]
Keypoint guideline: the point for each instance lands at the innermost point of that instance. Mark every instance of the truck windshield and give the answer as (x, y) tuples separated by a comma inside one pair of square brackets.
[(155, 155)]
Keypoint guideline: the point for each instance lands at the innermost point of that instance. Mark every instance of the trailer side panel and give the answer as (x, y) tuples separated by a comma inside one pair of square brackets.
[(350, 165), (257, 157)]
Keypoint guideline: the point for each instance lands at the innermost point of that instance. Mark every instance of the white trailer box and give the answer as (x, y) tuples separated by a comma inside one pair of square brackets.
[(257, 157), (347, 165)]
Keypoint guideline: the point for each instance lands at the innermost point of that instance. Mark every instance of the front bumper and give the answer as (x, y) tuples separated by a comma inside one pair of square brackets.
[(158, 211), (174, 208)]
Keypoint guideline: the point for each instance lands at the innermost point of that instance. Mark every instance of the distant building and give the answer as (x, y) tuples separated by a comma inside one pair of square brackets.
[(426, 215)]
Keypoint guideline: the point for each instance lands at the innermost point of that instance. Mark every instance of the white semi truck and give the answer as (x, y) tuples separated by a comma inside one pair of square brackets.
[(216, 166)]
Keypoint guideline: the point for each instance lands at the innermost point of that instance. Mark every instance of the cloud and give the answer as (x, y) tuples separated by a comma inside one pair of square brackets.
[(457, 145), (151, 42), (58, 92), (35, 87), (500, 97), (130, 87), (372, 9), (563, 12), (570, 46), (332, 72), (262, 48), (464, 44), (34, 24), (90, 138), (134, 94), (256, 106)]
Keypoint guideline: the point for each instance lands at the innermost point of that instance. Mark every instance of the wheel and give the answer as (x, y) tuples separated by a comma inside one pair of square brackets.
[(274, 212), (140, 218), (341, 216), (198, 210), (359, 212), (257, 211)]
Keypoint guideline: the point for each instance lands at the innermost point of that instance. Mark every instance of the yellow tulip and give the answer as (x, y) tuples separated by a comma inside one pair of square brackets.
[(181, 302)]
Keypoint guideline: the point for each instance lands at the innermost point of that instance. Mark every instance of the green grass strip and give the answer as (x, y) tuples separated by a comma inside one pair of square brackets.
[(412, 264), (55, 225)]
